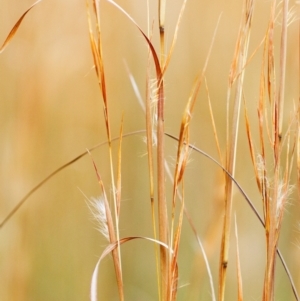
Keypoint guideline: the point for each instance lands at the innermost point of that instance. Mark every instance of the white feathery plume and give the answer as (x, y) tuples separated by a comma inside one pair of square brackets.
[(97, 207)]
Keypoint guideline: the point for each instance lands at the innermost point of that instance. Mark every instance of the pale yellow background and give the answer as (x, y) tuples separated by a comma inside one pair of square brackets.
[(51, 111)]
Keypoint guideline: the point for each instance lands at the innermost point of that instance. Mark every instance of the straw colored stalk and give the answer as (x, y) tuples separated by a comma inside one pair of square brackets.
[(283, 51), (169, 270), (112, 237), (162, 206), (173, 284), (150, 140), (163, 226), (214, 125), (119, 175), (161, 197), (236, 74), (167, 278), (96, 47), (275, 204), (168, 267), (238, 264), (161, 20), (181, 161), (274, 195)]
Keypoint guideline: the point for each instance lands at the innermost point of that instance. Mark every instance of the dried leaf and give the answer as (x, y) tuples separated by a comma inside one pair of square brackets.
[(16, 27)]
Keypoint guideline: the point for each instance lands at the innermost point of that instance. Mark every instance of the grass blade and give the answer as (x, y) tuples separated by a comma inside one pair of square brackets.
[(238, 263), (239, 61), (16, 27), (111, 248)]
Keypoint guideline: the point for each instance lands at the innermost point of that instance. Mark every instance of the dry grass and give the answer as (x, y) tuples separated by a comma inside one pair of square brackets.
[(271, 134)]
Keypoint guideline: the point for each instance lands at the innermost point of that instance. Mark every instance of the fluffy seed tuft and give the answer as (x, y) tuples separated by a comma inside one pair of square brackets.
[(97, 207)]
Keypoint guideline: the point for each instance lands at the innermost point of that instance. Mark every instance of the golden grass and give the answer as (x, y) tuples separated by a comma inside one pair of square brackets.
[(273, 159)]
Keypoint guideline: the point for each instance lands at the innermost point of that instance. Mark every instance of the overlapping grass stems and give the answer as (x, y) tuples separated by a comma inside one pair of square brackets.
[(274, 185)]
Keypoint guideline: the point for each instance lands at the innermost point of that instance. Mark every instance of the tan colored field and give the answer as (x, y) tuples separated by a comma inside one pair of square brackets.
[(52, 110)]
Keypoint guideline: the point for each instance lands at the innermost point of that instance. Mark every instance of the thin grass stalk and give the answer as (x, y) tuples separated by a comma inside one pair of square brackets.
[(161, 19), (119, 176), (213, 124), (102, 82), (174, 265), (162, 205), (281, 192), (112, 236), (271, 69), (261, 112), (239, 61), (263, 183), (149, 135), (238, 264), (182, 152), (106, 114), (283, 51), (275, 203), (251, 148), (271, 237), (99, 67), (181, 161), (273, 221), (161, 197)]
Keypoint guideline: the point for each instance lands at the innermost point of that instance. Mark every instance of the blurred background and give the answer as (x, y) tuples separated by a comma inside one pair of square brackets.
[(51, 111)]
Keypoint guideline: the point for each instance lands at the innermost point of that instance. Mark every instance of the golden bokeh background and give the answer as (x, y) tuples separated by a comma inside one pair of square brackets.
[(51, 111)]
